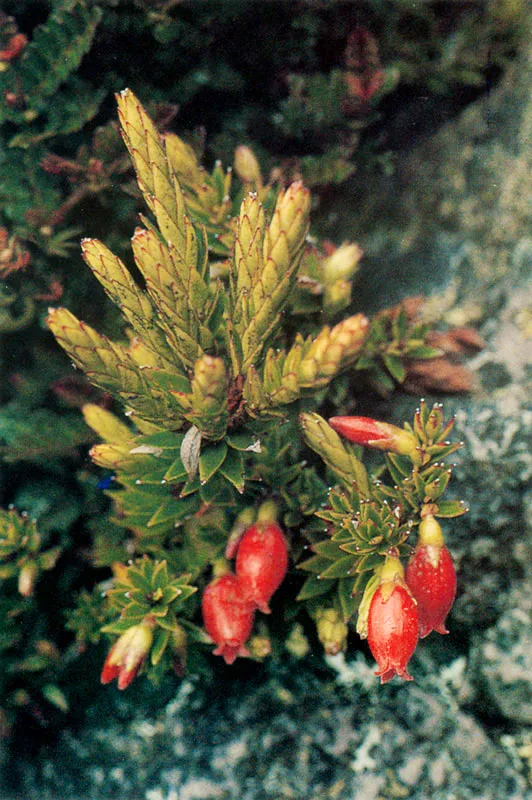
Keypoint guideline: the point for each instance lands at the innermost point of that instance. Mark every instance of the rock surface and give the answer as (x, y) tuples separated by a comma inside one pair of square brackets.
[(295, 733)]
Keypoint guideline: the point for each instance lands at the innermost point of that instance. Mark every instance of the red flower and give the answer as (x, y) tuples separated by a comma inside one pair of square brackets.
[(261, 562), (372, 433), (228, 616), (14, 47), (431, 577), (127, 655), (392, 624)]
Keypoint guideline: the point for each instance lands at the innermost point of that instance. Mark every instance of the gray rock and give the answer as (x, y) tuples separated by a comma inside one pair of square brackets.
[(297, 733), (501, 661)]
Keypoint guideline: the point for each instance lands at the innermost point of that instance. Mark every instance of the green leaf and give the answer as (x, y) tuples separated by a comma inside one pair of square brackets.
[(159, 579), (211, 459), (422, 352), (166, 512), (327, 548), (160, 641), (436, 488), (245, 442), (314, 587), (217, 491), (233, 470), (315, 564), (190, 487), (400, 467), (176, 471), (395, 366), (171, 382), (54, 53), (370, 562), (168, 623), (400, 325), (339, 568), (419, 483), (170, 593), (55, 696), (348, 596), (451, 508), (122, 625), (138, 580)]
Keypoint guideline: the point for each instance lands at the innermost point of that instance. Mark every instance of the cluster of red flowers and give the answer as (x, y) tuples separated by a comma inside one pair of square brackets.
[(229, 603), (404, 608), (408, 607)]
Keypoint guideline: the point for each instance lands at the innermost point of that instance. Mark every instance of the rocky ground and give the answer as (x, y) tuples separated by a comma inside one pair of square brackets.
[(456, 220)]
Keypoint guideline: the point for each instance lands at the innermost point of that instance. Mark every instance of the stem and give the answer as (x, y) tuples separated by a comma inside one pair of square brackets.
[(268, 512)]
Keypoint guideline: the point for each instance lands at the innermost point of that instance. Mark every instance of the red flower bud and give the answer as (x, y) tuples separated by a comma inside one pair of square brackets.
[(261, 562), (127, 655), (431, 577), (372, 433), (392, 625), (228, 616)]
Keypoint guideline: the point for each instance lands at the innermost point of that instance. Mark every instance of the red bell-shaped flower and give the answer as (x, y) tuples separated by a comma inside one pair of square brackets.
[(228, 616), (261, 562), (392, 623), (127, 655), (431, 577)]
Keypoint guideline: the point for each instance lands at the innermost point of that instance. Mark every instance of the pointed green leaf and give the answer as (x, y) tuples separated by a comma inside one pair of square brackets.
[(218, 491), (138, 580), (190, 487), (211, 459), (314, 587), (122, 625), (176, 471), (55, 696), (159, 578), (451, 508), (395, 367), (233, 470), (370, 562), (327, 548), (436, 488), (347, 593), (315, 564), (422, 351), (245, 442), (166, 512), (340, 568), (160, 641), (168, 623)]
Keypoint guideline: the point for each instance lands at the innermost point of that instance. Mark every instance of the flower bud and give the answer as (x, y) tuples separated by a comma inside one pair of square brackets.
[(378, 435), (246, 166), (261, 562), (336, 296), (182, 158), (332, 630), (228, 616), (431, 577), (342, 263), (289, 225), (127, 655), (27, 578), (392, 623)]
